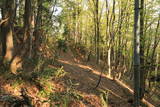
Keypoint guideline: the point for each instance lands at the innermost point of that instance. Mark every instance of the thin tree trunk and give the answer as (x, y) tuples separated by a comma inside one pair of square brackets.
[(27, 19), (157, 65), (136, 55), (142, 43), (38, 25), (98, 32), (109, 39)]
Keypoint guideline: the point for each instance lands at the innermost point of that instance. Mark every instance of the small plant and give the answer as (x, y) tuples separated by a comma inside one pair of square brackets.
[(104, 98), (50, 73), (60, 73), (45, 79), (62, 45), (17, 83), (44, 92), (62, 99)]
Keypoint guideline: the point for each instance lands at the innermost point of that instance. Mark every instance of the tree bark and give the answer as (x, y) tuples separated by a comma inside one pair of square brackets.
[(142, 44), (37, 33), (27, 19), (97, 31), (7, 31), (24, 52), (136, 55)]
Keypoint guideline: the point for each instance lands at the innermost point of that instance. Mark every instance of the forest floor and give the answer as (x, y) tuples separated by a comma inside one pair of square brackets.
[(83, 78), (87, 76)]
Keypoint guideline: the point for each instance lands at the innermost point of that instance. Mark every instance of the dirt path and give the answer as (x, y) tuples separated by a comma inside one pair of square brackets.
[(119, 94)]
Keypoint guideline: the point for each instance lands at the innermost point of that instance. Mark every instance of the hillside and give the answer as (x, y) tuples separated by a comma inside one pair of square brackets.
[(79, 53), (74, 88)]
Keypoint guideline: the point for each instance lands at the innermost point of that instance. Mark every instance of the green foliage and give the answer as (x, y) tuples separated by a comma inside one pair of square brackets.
[(50, 73), (60, 73), (60, 98), (45, 92), (79, 50), (47, 74), (152, 74), (64, 98), (62, 45), (17, 83), (45, 79), (14, 80), (2, 3), (66, 30)]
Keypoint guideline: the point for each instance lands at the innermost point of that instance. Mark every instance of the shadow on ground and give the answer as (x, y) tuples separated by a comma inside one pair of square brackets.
[(87, 79)]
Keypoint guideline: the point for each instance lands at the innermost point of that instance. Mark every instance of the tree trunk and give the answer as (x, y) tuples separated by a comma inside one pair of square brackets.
[(136, 55), (38, 26), (142, 44), (6, 30), (98, 32), (19, 56), (109, 39), (28, 24), (27, 19)]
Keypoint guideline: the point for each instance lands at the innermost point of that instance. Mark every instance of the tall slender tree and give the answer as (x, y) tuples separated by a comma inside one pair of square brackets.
[(136, 54), (98, 31), (38, 26), (142, 43)]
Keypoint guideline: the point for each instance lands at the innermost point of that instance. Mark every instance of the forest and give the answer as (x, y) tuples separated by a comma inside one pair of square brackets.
[(79, 53)]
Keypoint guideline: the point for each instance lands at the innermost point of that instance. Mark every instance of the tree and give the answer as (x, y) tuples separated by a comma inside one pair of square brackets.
[(142, 44), (136, 55), (7, 30), (111, 34), (97, 31), (18, 58), (38, 27)]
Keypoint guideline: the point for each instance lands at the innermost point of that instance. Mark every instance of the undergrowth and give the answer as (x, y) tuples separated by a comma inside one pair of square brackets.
[(45, 79), (63, 99)]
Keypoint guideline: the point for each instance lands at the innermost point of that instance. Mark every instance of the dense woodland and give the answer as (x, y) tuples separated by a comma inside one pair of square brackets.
[(79, 53)]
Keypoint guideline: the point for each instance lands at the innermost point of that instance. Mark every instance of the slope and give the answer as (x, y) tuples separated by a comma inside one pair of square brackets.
[(120, 95)]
